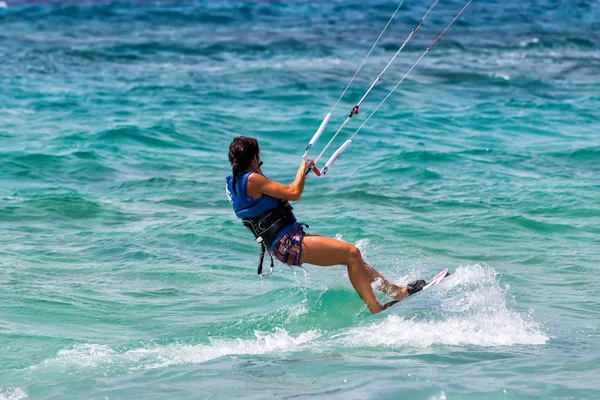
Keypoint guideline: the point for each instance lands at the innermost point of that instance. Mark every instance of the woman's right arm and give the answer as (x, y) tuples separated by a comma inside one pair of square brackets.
[(259, 185)]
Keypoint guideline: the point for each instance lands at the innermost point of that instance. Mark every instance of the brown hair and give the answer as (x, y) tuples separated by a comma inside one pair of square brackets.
[(242, 151)]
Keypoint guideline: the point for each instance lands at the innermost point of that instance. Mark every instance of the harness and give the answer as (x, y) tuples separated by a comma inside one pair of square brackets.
[(266, 227)]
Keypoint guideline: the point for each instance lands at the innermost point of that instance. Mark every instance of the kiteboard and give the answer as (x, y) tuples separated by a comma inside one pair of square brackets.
[(437, 279), (434, 281)]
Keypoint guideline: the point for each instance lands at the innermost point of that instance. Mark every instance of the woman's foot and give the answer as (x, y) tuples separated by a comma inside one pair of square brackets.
[(403, 292), (415, 286), (399, 293)]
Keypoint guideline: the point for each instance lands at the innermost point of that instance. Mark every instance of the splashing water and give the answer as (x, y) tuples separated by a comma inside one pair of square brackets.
[(468, 308)]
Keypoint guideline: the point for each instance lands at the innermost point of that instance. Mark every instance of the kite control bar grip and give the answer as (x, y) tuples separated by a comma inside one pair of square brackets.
[(335, 156), (313, 141), (315, 170)]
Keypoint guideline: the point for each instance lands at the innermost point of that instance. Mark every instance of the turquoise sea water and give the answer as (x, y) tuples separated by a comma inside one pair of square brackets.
[(125, 275)]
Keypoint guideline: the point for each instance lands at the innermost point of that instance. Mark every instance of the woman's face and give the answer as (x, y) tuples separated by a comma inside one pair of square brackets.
[(256, 163)]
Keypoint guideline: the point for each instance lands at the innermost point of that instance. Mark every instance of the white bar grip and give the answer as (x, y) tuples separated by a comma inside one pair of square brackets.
[(320, 130), (318, 133), (335, 156)]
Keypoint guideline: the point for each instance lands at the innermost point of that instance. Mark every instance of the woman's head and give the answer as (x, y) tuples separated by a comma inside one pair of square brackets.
[(242, 153)]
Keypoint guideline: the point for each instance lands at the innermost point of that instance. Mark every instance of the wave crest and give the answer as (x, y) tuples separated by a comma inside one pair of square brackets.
[(468, 308)]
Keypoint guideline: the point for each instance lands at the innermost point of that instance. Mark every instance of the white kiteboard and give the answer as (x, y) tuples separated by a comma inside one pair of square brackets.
[(437, 279), (434, 281)]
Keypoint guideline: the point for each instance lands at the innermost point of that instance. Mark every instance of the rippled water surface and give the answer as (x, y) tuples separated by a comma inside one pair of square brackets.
[(125, 275)]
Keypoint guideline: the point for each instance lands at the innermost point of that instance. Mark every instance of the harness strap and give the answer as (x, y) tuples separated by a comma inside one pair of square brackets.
[(265, 229)]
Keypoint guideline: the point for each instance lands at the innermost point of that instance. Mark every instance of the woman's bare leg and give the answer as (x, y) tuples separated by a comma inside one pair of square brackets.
[(394, 291), (324, 251)]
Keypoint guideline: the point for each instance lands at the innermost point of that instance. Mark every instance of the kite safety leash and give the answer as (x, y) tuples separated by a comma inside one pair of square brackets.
[(263, 249)]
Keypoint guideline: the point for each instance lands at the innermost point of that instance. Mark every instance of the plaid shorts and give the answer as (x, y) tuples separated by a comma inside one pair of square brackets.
[(288, 249)]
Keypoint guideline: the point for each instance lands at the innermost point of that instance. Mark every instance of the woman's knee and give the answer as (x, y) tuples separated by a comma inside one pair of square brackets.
[(354, 254)]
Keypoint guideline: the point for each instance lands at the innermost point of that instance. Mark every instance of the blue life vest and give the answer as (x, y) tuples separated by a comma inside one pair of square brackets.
[(248, 208)]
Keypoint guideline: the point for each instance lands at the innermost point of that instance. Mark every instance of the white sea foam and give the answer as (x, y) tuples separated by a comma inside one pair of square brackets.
[(396, 331), (527, 42), (296, 311), (472, 309), (12, 393), (288, 64), (501, 75), (362, 244), (441, 397), (156, 356)]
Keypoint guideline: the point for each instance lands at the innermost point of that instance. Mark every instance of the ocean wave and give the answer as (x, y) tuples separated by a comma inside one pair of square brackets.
[(583, 154), (192, 13), (67, 206), (555, 41), (40, 160), (539, 224), (98, 356), (157, 183), (12, 393), (468, 308), (77, 165), (133, 51), (132, 133), (118, 11), (419, 165)]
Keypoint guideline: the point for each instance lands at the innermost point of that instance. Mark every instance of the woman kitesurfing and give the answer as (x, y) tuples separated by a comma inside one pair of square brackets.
[(263, 204)]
